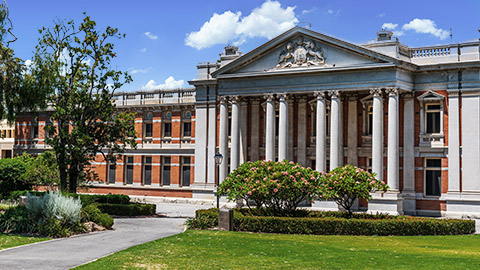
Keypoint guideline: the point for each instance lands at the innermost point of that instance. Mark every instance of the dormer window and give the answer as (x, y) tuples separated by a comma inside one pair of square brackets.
[(431, 119)]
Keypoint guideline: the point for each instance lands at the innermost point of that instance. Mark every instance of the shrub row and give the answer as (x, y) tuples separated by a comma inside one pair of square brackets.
[(92, 213), (133, 209), (330, 225)]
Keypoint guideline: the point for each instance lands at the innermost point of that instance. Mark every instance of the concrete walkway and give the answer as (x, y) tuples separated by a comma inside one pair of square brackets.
[(66, 253)]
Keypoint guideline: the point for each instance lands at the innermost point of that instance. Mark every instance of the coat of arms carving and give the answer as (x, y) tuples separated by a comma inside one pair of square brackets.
[(301, 52)]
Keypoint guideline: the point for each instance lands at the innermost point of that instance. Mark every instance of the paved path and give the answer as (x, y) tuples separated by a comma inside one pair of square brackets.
[(69, 252), (179, 209)]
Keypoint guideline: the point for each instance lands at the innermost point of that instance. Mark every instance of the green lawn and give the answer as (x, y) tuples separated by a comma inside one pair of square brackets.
[(195, 249), (12, 240)]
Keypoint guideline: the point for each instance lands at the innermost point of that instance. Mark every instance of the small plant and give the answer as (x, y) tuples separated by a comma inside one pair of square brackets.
[(348, 183), (278, 186), (54, 205)]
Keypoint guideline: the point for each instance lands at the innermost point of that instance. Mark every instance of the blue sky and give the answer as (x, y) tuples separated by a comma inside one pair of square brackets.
[(167, 39)]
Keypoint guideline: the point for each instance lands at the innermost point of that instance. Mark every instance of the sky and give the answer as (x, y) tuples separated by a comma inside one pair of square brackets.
[(166, 39)]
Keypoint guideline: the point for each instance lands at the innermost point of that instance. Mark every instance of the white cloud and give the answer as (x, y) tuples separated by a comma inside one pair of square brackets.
[(306, 11), (330, 11), (268, 20), (381, 15), (389, 26), (170, 83), (425, 26), (150, 35), (143, 50), (141, 70)]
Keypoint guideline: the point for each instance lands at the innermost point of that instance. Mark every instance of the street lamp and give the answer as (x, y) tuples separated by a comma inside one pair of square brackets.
[(218, 160)]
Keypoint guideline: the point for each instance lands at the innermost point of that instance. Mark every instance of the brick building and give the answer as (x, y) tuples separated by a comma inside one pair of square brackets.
[(322, 102)]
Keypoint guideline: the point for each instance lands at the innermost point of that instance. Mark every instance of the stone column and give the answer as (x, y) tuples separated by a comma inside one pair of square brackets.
[(334, 129), (377, 134), (302, 132), (270, 128), (223, 140), (409, 206), (340, 133), (235, 135), (321, 133), (283, 127), (255, 134), (212, 143), (453, 143), (393, 155), (243, 130), (352, 131)]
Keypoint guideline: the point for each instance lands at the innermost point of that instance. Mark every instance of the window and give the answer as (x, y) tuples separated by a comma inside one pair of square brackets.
[(185, 171), (432, 116), (129, 170), (111, 173), (187, 129), (35, 128), (10, 133), (277, 122), (166, 170), (369, 120), (369, 164), (167, 129), (147, 171), (433, 177), (148, 130)]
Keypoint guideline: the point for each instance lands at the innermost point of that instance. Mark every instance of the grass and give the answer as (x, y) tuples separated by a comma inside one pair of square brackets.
[(13, 240), (196, 249)]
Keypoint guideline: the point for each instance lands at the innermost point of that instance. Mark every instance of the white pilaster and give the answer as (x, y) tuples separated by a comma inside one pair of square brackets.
[(223, 140), (302, 132), (393, 155), (270, 128), (291, 121), (283, 127), (334, 129), (409, 205), (321, 133), (377, 134), (453, 143), (255, 134), (235, 135), (352, 131), (201, 145), (212, 143)]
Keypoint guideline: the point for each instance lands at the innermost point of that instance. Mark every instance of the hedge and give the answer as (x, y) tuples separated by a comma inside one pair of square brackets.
[(330, 225), (133, 209), (92, 213)]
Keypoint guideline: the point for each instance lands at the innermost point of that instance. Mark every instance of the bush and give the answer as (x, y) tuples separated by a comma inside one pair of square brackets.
[(278, 186), (331, 223), (133, 209), (43, 169), (53, 205), (348, 183), (92, 213), (87, 199), (11, 172), (16, 219)]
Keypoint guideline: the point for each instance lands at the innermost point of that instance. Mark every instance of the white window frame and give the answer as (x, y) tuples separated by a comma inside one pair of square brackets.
[(435, 139), (425, 169)]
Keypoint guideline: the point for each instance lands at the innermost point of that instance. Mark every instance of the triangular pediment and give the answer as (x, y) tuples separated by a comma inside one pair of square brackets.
[(430, 96), (300, 49)]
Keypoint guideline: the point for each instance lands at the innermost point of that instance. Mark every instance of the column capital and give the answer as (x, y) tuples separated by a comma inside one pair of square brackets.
[(283, 97), (269, 97), (223, 99), (334, 94), (234, 99), (320, 95), (376, 92), (408, 95), (392, 91), (352, 97)]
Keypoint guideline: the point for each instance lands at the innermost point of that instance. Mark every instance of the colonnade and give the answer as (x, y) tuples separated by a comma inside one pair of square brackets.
[(320, 145)]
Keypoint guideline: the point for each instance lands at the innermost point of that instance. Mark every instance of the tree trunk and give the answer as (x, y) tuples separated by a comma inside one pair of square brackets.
[(61, 157), (73, 175)]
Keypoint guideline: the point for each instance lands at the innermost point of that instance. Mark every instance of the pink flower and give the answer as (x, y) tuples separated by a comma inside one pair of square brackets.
[(357, 182), (265, 179), (249, 193), (283, 163), (278, 185), (294, 180), (291, 162), (258, 181), (285, 173), (275, 190), (228, 190)]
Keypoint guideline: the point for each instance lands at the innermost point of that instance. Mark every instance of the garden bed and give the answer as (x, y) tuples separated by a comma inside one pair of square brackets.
[(335, 223)]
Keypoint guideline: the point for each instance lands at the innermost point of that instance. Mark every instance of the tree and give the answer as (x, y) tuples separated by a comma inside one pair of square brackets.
[(72, 66), (16, 91), (349, 183)]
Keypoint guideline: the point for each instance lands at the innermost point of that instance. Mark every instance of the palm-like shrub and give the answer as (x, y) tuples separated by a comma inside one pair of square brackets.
[(348, 183), (277, 186)]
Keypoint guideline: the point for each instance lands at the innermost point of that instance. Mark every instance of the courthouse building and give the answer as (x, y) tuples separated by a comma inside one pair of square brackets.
[(411, 115)]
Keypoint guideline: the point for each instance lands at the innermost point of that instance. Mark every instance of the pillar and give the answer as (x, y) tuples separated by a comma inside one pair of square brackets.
[(255, 135), (302, 132), (393, 149), (223, 139), (283, 127), (291, 121), (270, 128), (409, 205), (352, 131), (235, 135), (377, 134), (321, 134), (334, 129), (243, 131), (453, 143)]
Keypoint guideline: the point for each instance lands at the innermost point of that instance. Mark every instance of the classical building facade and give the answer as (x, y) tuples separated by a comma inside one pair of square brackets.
[(411, 115)]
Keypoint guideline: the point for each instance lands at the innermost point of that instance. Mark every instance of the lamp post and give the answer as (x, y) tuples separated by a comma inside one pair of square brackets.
[(218, 160)]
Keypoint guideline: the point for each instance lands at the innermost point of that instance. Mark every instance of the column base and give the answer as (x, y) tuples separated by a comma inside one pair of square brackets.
[(325, 206), (390, 202), (409, 203), (463, 204)]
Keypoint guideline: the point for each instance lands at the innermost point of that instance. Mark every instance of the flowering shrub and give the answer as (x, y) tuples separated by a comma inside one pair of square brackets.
[(348, 183), (277, 186)]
